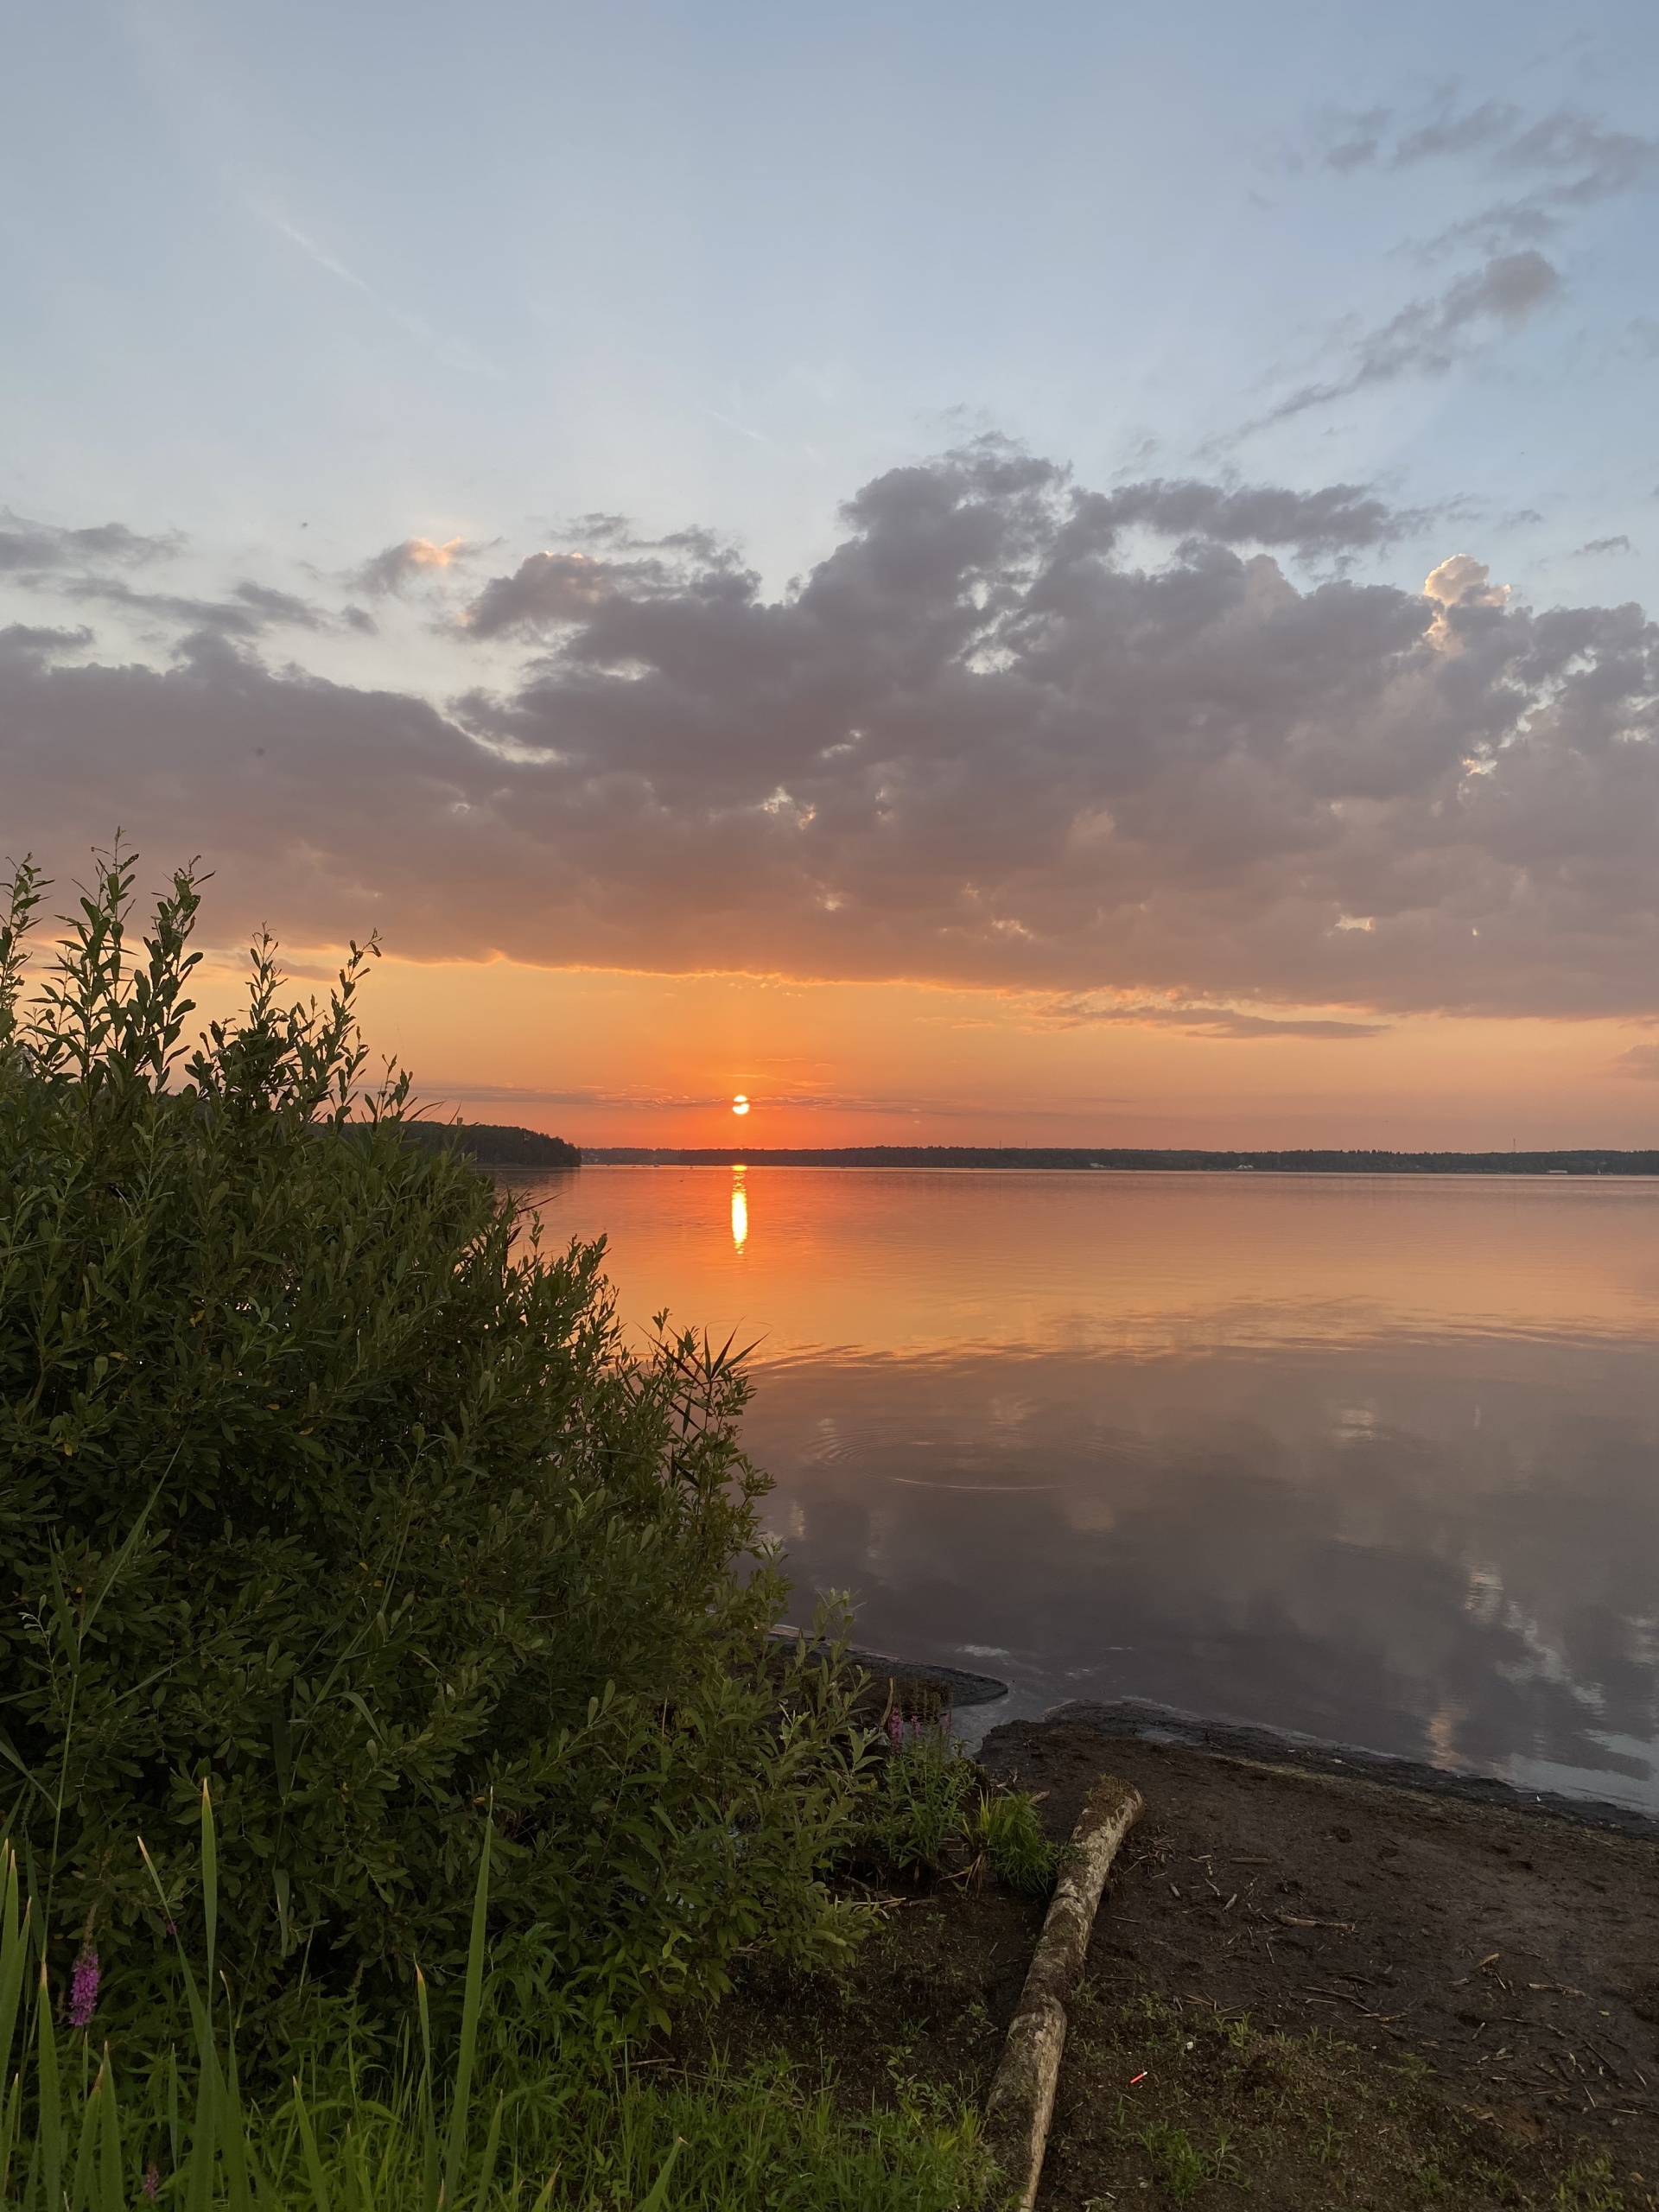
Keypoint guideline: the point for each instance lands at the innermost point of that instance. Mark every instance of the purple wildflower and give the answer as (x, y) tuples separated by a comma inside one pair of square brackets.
[(83, 1989), (896, 1728), (152, 2180)]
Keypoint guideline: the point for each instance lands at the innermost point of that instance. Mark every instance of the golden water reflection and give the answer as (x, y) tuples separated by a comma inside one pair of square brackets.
[(739, 1209), (1378, 1460), (908, 1262)]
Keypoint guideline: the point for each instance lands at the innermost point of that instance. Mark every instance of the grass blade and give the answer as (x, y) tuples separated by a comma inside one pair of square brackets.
[(14, 2107), (50, 2121), (14, 1956), (198, 2166), (232, 2122), (314, 2173), (199, 2019), (469, 2011), (658, 2196), (429, 2117), (202, 2162), (492, 2144), (209, 1879), (359, 2195), (86, 2149), (111, 2180)]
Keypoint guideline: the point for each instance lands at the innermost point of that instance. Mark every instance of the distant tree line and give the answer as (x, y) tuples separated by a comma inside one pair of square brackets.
[(1280, 1163), (492, 1144)]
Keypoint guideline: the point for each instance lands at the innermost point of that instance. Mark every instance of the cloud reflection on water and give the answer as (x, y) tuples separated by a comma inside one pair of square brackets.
[(1430, 1550)]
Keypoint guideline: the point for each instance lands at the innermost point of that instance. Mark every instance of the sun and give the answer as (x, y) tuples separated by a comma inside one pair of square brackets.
[(740, 1104)]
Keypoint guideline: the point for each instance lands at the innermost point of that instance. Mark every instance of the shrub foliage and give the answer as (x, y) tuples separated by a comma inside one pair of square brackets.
[(319, 1479)]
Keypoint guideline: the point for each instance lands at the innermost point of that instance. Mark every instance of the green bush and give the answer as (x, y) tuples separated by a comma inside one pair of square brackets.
[(317, 1478)]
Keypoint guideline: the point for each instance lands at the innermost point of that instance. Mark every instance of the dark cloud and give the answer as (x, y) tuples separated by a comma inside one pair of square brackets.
[(998, 737), (411, 556), (249, 611), (1427, 334), (1576, 160), (551, 590), (1196, 1020), (29, 547), (277, 607), (1428, 337), (1563, 163), (547, 588), (34, 637), (1341, 518), (87, 565), (1619, 544)]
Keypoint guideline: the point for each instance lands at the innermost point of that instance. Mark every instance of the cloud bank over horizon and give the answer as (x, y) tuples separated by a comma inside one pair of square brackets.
[(1157, 751)]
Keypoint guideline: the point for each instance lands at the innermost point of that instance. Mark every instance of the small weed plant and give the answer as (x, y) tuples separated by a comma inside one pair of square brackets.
[(921, 1797), (1590, 2185), (1005, 1830), (1180, 2168), (930, 1806)]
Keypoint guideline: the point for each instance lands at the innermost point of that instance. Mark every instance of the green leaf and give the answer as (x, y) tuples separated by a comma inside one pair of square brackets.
[(658, 2196)]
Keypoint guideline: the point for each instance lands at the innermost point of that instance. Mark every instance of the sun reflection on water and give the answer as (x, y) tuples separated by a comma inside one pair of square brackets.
[(739, 1209)]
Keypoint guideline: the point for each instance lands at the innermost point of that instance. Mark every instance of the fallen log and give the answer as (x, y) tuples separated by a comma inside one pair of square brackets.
[(1021, 2102)]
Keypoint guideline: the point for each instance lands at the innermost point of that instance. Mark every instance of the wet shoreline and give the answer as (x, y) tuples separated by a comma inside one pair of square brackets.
[(1142, 1721)]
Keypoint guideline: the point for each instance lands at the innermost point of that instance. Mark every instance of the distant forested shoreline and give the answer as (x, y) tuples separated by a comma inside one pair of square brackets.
[(492, 1144), (496, 1145), (1312, 1162)]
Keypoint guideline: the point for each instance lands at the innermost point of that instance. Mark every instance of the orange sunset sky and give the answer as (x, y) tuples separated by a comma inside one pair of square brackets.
[(659, 1060)]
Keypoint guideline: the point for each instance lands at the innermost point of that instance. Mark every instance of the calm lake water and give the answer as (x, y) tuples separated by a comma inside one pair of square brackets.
[(1374, 1460)]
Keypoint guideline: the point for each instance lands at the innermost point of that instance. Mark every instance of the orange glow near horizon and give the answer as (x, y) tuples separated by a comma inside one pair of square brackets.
[(622, 1058)]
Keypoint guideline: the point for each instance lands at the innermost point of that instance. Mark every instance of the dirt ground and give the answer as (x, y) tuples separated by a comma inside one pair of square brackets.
[(1443, 2001), (1305, 1990)]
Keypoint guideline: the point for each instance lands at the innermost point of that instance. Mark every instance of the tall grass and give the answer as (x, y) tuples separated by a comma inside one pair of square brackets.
[(503, 2129)]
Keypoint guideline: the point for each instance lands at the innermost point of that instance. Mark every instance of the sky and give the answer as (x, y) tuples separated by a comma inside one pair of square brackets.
[(1075, 575)]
